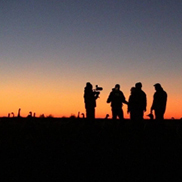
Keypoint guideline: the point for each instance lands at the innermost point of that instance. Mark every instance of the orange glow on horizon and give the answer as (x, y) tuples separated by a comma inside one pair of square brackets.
[(64, 102)]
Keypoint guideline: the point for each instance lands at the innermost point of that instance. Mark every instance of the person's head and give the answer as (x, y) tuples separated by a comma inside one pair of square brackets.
[(89, 85), (138, 85), (132, 90), (117, 87), (158, 86)]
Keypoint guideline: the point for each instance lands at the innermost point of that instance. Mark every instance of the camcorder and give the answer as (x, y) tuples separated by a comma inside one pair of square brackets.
[(97, 90)]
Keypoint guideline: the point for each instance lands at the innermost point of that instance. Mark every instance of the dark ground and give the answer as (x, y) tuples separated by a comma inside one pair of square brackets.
[(75, 150)]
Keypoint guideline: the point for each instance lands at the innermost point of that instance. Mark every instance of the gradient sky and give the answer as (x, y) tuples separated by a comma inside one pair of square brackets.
[(51, 48)]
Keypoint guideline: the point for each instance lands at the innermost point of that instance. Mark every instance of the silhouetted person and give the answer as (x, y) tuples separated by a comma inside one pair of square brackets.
[(141, 101), (117, 98), (90, 101), (132, 104), (159, 102)]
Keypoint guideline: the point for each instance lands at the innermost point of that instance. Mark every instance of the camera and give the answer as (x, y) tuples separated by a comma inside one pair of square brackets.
[(97, 88)]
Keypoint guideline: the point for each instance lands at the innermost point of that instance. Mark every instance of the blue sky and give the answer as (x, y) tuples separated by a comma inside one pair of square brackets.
[(60, 45)]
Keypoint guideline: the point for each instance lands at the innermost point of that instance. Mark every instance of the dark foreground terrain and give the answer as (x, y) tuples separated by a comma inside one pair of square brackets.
[(75, 150)]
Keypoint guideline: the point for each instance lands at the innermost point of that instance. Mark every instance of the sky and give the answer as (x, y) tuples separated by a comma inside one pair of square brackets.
[(51, 48)]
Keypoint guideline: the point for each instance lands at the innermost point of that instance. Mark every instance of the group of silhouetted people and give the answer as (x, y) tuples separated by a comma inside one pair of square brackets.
[(137, 102)]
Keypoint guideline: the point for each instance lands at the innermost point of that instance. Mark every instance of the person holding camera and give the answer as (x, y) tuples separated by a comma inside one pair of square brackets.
[(117, 98), (90, 97)]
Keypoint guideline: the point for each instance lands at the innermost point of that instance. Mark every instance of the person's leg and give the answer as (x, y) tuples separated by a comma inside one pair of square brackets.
[(159, 115), (133, 115), (120, 110), (114, 113), (93, 113), (87, 113), (90, 113), (141, 114), (156, 114)]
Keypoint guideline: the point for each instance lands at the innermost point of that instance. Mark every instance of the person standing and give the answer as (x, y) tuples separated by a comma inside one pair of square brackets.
[(159, 102), (141, 101), (132, 105), (117, 98), (90, 101)]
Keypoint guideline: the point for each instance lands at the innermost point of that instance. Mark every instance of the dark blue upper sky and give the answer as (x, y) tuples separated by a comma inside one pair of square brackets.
[(105, 41)]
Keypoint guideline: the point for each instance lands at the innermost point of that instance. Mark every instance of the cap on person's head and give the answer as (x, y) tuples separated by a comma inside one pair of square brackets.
[(89, 85), (117, 86), (157, 85), (138, 85)]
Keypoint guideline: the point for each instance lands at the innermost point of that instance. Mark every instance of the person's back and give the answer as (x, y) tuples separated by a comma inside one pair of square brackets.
[(116, 97), (141, 101), (160, 98), (159, 102), (132, 104), (89, 98)]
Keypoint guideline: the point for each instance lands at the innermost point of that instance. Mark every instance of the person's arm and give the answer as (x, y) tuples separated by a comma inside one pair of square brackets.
[(145, 102), (109, 98), (124, 100), (129, 105), (96, 95), (153, 104)]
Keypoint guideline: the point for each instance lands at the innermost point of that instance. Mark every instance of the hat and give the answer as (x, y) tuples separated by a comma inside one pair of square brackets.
[(88, 85), (117, 86), (138, 85), (157, 85)]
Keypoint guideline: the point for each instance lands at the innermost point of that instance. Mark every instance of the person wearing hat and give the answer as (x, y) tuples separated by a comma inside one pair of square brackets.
[(117, 98), (159, 102)]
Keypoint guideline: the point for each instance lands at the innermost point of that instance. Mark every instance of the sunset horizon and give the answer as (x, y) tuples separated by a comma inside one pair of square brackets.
[(54, 109), (50, 49)]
